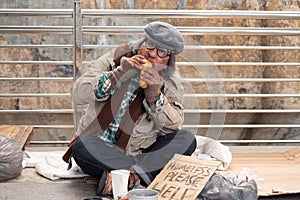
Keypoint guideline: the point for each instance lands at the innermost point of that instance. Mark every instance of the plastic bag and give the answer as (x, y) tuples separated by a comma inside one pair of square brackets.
[(228, 188), (11, 157), (248, 173)]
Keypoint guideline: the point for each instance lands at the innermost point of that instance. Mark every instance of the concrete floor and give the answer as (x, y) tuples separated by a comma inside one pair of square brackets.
[(31, 186)]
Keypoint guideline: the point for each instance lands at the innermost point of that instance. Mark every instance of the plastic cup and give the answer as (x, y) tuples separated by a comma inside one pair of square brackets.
[(120, 182)]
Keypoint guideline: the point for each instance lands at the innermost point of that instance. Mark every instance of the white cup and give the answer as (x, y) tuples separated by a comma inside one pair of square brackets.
[(120, 182)]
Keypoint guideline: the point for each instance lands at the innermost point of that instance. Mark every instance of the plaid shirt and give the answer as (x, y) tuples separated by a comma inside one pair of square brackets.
[(104, 83)]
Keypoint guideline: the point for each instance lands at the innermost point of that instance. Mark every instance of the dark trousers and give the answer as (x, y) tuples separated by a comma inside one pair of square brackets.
[(94, 155)]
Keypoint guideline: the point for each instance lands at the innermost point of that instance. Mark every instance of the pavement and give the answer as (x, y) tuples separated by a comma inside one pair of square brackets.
[(32, 186)]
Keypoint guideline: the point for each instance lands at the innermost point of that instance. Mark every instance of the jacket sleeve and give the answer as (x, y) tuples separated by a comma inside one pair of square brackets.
[(84, 86), (169, 117)]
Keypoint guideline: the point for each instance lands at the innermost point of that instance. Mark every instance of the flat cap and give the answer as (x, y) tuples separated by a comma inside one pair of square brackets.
[(165, 36)]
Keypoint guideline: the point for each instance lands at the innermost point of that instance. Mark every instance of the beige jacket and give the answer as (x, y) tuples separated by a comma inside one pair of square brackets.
[(164, 120)]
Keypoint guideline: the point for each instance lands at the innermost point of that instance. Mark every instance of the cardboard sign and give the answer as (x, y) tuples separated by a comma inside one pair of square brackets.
[(183, 177)]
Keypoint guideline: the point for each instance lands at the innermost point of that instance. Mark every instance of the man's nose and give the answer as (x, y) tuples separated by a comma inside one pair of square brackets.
[(153, 53)]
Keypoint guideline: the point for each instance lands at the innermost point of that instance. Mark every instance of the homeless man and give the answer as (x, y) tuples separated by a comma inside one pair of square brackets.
[(129, 126)]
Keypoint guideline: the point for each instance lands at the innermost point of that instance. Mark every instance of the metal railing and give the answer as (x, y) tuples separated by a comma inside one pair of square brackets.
[(53, 30), (78, 30)]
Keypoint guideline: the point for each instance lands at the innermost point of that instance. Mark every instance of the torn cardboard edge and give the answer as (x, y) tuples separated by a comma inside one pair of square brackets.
[(183, 177), (22, 134)]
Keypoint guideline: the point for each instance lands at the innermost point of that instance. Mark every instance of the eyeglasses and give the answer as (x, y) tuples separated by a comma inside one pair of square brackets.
[(162, 53)]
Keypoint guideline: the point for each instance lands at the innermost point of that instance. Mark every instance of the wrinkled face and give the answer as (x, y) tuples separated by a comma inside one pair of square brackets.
[(159, 56)]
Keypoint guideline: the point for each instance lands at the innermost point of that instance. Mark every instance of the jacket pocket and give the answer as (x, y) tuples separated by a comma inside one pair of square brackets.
[(142, 137)]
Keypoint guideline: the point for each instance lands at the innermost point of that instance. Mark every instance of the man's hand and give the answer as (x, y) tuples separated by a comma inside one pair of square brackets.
[(154, 82), (151, 76), (132, 62), (127, 69)]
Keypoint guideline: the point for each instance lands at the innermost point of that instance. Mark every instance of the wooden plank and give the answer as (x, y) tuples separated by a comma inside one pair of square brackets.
[(21, 133)]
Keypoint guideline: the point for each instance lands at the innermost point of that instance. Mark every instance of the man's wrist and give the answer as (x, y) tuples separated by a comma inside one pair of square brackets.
[(152, 93)]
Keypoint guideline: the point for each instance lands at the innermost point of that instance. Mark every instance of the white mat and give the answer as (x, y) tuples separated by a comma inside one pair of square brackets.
[(211, 149), (50, 165)]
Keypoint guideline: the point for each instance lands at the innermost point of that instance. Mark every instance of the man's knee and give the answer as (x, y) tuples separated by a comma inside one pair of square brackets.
[(187, 135), (189, 139)]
